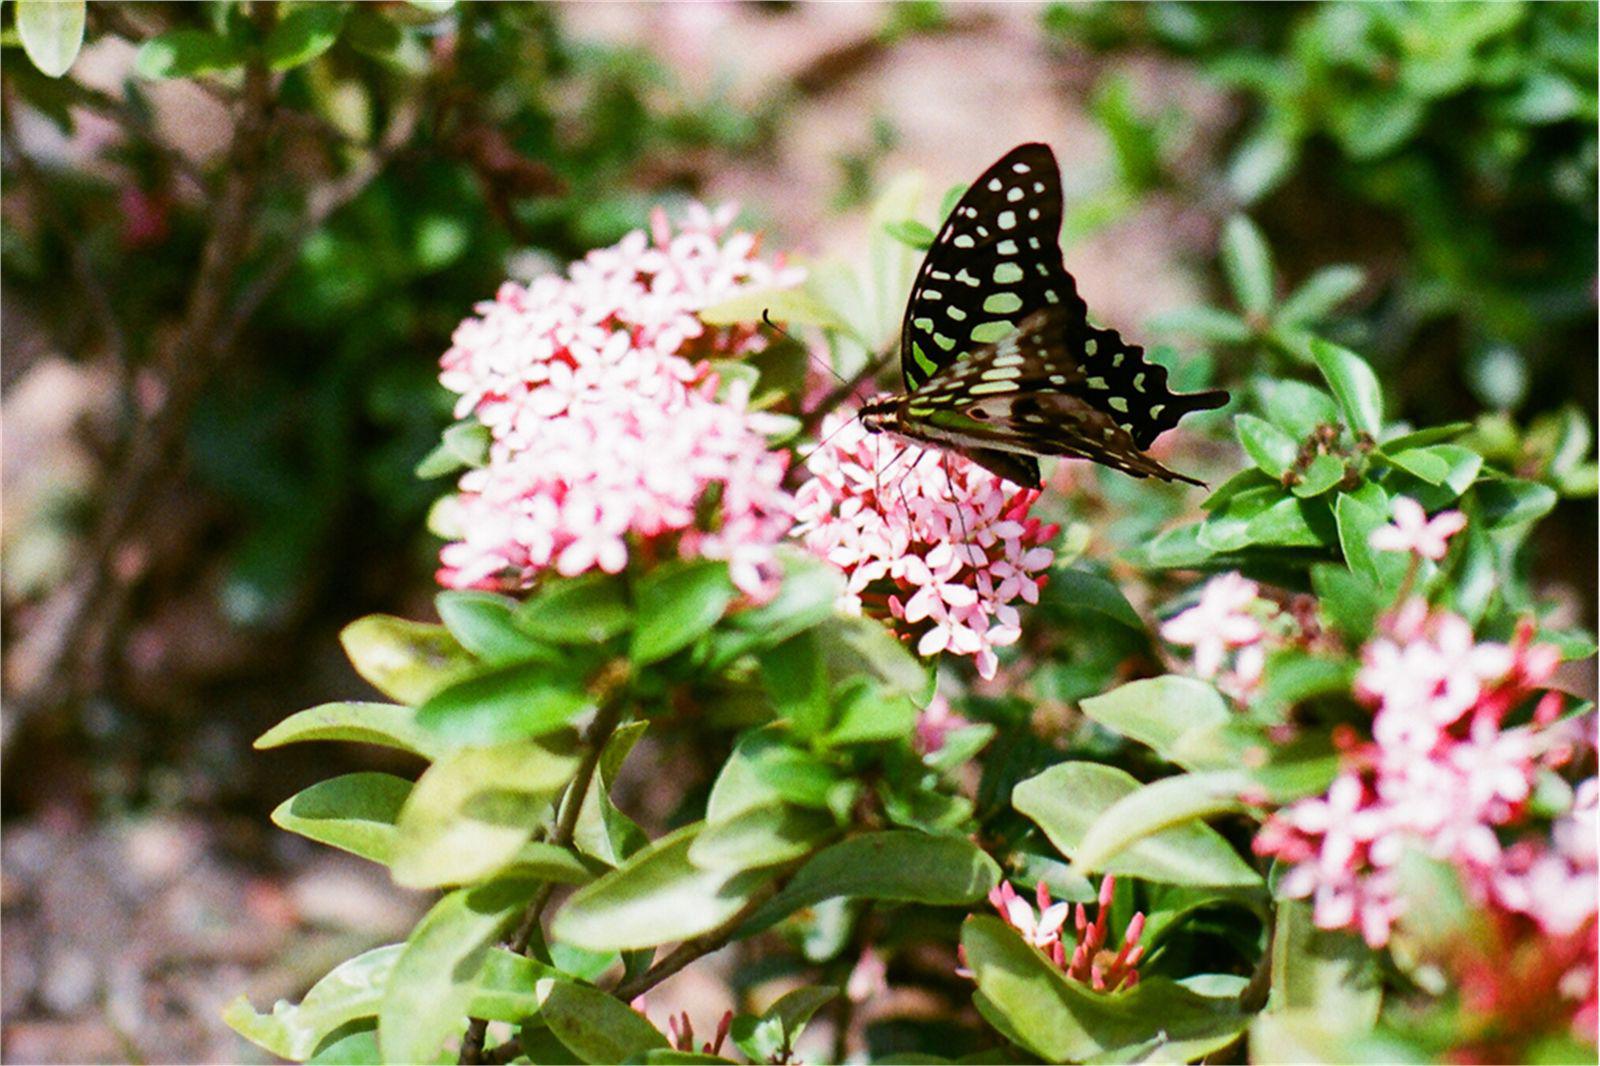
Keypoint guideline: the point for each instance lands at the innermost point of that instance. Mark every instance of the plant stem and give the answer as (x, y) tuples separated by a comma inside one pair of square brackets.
[(600, 730), (690, 950)]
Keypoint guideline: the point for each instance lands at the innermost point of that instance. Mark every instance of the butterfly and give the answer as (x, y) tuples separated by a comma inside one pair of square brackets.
[(998, 356)]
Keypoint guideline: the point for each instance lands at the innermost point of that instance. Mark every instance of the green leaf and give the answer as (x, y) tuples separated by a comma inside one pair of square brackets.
[(793, 307), (1333, 973), (1247, 262), (1464, 465), (588, 609), (598, 1028), (539, 861), (1260, 163), (1510, 502), (678, 602), (1350, 602), (760, 837), (865, 713), (472, 811), (51, 33), (807, 597), (406, 661), (511, 703), (1357, 520), (438, 974), (1308, 1036), (186, 53), (896, 865), (1270, 448), (485, 624), (1354, 385), (863, 647), (1422, 437), (1321, 293), (354, 990), (1091, 592), (1324, 472), (353, 812), (796, 679), (1420, 462), (465, 444), (1102, 819), (601, 830), (1159, 712), (1203, 323), (771, 1037), (1063, 1021), (1294, 406), (353, 1044), (910, 232), (303, 34), (656, 897), (388, 724)]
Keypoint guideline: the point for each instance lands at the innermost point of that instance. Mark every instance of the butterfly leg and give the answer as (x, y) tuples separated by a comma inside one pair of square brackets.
[(965, 551)]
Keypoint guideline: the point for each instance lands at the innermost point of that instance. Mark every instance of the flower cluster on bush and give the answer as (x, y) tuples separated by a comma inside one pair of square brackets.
[(607, 431), (1091, 961), (935, 542)]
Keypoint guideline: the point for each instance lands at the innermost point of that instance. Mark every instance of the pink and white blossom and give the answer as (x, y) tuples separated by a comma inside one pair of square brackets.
[(940, 545), (606, 424), (1225, 618), (1090, 960), (1413, 531)]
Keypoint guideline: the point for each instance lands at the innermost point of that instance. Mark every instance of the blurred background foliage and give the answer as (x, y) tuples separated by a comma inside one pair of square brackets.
[(236, 237)]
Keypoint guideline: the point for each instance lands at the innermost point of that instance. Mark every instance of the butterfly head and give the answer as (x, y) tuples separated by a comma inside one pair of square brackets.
[(878, 416)]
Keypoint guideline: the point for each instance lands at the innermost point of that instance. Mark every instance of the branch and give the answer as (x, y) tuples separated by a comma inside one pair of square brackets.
[(690, 950), (600, 730)]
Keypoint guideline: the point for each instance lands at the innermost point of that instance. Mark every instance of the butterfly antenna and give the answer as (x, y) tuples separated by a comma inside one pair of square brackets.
[(766, 316)]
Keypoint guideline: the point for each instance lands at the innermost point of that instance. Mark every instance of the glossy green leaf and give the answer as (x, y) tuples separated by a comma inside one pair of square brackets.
[(1159, 712), (1321, 293), (896, 865), (1331, 972), (771, 1037), (406, 661), (657, 896), (1354, 385), (1350, 602), (1063, 1021), (1421, 463), (388, 724), (598, 1028), (602, 830), (865, 713), (588, 609), (1270, 448), (1320, 475), (439, 973), (1247, 262), (352, 812), (1294, 406), (303, 34), (51, 33), (1309, 1036), (472, 811), (540, 861), (910, 232), (354, 990), (1510, 502), (512, 703), (861, 646), (1203, 323), (1079, 804), (795, 675), (760, 837), (185, 53), (677, 603), (1091, 592), (1357, 522), (792, 307), (1156, 807), (485, 624), (352, 1044), (465, 444)]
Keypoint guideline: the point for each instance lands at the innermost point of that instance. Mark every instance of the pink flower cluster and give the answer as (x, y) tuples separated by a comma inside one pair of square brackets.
[(937, 543), (1227, 618), (1443, 772), (1091, 961), (607, 432)]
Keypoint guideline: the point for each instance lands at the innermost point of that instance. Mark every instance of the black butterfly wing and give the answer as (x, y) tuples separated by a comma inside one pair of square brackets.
[(996, 259), (1034, 394), (996, 262)]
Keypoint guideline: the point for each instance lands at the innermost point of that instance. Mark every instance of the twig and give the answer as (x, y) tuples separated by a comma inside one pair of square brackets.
[(195, 352), (844, 390), (600, 730), (690, 950)]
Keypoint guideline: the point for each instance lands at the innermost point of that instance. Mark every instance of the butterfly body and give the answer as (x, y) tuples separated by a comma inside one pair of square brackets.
[(999, 359)]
